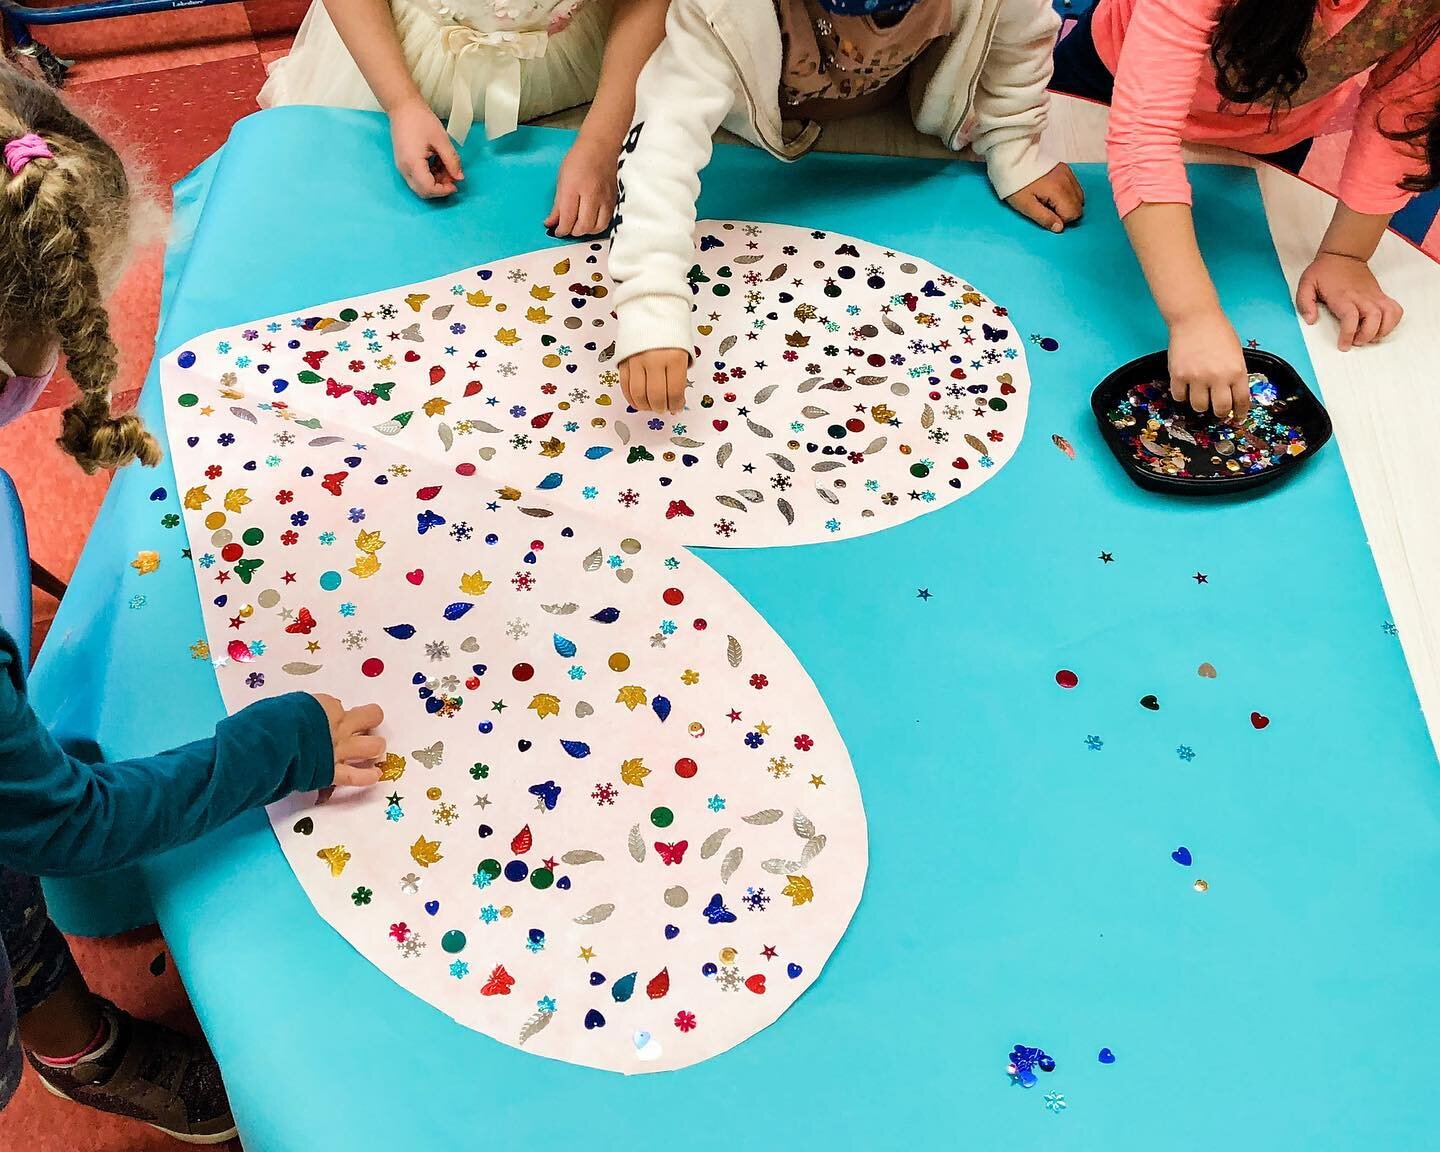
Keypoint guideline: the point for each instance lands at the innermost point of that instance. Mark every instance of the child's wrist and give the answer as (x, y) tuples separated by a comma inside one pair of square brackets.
[(1339, 252), (1188, 311), (403, 101)]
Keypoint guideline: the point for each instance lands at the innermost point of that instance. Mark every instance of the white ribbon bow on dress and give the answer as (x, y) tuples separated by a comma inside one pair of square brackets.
[(500, 54)]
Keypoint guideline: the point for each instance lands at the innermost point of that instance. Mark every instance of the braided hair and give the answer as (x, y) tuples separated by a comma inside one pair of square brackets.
[(63, 221)]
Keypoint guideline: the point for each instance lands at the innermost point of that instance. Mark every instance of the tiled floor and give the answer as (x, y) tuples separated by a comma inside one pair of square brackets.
[(167, 88)]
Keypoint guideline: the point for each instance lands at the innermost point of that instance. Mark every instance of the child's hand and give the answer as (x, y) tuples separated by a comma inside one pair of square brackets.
[(1347, 287), (654, 381), (1053, 201), (352, 736), (584, 191), (1207, 366), (417, 135)]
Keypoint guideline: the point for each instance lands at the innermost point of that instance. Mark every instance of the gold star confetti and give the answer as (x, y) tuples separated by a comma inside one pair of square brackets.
[(587, 953), (818, 781), (763, 729)]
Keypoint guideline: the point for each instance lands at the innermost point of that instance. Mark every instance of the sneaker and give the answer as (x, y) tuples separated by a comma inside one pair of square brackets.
[(148, 1073)]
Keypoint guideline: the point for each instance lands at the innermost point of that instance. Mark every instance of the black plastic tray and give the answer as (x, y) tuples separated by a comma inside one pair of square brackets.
[(1303, 410)]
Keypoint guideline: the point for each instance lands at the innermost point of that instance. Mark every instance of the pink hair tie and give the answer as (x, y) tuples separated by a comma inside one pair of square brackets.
[(21, 151)]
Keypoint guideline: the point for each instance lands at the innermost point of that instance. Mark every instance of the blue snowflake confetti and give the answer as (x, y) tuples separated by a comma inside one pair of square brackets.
[(459, 969), (1185, 752), (1094, 743), (716, 803)]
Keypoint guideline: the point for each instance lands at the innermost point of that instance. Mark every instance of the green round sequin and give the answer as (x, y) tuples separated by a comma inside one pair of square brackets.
[(252, 536), (189, 400), (997, 404), (662, 817), (349, 315), (919, 470), (453, 941), (490, 867), (542, 878)]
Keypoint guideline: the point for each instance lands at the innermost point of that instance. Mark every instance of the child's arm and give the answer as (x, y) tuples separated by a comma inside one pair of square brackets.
[(1206, 362), (585, 191), (1166, 46), (1010, 111), (1370, 192), (683, 95), (368, 31), (62, 817), (1340, 278)]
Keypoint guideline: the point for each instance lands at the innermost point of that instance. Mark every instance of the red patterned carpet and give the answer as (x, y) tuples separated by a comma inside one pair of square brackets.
[(168, 88)]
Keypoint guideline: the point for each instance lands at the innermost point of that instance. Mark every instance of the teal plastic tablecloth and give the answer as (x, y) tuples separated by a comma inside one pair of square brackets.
[(1021, 884)]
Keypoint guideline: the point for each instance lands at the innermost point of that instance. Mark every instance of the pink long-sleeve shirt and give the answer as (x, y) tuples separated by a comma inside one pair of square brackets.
[(1159, 53)]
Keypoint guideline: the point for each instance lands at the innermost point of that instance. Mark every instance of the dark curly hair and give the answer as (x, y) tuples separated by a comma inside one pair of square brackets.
[(1258, 53)]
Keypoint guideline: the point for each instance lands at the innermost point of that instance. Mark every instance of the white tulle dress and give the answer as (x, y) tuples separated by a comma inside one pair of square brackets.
[(502, 61)]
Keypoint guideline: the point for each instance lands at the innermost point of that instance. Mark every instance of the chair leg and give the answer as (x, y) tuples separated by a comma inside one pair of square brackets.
[(46, 581)]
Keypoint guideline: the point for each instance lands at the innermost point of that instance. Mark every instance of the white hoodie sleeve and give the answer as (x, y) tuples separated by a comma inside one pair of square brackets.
[(1011, 103), (683, 95)]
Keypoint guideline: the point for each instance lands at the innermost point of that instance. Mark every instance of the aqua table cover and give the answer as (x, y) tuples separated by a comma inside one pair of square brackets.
[(1022, 887)]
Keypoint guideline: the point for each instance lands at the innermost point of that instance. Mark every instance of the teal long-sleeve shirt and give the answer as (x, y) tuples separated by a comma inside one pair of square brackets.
[(60, 816)]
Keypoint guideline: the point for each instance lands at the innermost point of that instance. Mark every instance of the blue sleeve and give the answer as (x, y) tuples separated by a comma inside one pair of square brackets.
[(60, 816)]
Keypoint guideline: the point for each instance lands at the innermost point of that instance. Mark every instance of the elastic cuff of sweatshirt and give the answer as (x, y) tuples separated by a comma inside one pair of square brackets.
[(645, 323), (301, 713), (1015, 164)]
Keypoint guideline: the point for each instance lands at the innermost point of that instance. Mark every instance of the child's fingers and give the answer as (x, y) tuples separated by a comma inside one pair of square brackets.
[(565, 222), (445, 149), (366, 718), (1349, 316), (349, 776), (1391, 313), (625, 377), (421, 180), (1221, 400), (655, 395), (603, 211), (1307, 299), (360, 748), (1370, 320), (1240, 398), (1045, 215), (1199, 395), (1069, 199)]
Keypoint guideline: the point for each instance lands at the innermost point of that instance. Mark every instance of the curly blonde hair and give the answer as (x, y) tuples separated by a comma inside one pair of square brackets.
[(64, 225)]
